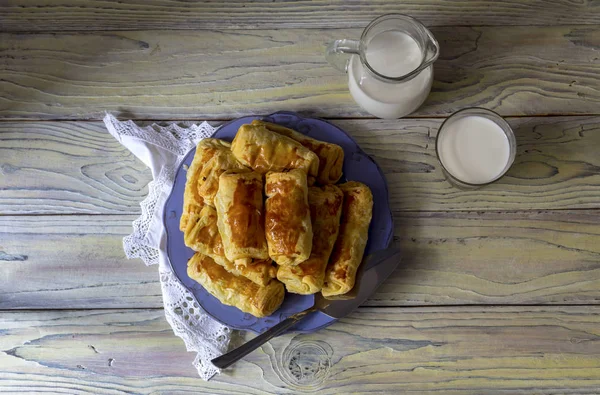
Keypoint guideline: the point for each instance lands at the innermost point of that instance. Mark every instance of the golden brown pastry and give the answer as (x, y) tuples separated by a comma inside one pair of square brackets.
[(192, 201), (202, 235), (287, 217), (331, 156), (262, 150), (352, 240), (237, 291), (240, 215), (325, 209), (258, 271), (212, 170)]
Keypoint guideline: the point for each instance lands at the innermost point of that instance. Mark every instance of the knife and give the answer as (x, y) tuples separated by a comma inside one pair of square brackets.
[(371, 273)]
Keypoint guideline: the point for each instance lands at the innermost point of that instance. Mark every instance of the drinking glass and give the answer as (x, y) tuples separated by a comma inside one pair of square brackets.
[(487, 114)]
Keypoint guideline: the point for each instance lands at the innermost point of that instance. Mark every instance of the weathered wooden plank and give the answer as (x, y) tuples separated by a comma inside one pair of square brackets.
[(65, 167), (511, 350), (223, 74), (495, 258), (71, 262), (449, 258), (44, 15), (556, 165), (77, 167)]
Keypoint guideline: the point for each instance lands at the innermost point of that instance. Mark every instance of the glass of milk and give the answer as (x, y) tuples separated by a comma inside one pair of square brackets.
[(476, 147), (390, 69)]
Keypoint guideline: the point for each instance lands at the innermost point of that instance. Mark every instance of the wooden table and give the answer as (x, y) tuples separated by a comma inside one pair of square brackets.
[(499, 290)]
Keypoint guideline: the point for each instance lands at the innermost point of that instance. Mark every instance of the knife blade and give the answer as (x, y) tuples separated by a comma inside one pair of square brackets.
[(371, 273)]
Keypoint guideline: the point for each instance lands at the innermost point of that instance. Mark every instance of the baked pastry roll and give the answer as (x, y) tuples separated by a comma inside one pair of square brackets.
[(240, 215), (350, 246), (331, 156), (202, 235), (262, 150), (287, 217), (192, 201), (232, 290), (325, 210), (212, 170)]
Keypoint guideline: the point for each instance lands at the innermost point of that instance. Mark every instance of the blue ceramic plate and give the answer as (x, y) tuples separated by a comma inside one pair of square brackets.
[(357, 167)]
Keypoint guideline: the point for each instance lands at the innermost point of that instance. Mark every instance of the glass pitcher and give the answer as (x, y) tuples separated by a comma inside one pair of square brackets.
[(390, 70)]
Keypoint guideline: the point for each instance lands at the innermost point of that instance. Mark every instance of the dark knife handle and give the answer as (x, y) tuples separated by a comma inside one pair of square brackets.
[(233, 356)]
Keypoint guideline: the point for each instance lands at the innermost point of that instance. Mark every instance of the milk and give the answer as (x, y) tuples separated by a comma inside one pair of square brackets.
[(392, 54), (473, 149)]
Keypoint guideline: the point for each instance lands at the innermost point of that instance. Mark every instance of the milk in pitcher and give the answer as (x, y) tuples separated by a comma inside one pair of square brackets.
[(393, 54), (390, 69)]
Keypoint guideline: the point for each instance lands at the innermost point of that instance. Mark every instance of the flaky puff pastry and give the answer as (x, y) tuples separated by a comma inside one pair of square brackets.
[(325, 210), (350, 246), (232, 290), (259, 271), (331, 156), (262, 150), (202, 235), (212, 170), (192, 201), (287, 217), (240, 215)]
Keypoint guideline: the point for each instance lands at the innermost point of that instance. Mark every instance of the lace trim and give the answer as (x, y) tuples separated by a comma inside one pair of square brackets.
[(198, 330)]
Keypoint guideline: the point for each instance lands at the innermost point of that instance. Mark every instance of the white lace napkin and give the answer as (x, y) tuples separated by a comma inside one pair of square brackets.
[(162, 149)]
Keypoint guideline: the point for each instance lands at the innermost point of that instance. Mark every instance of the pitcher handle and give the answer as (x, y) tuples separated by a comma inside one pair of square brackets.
[(337, 50)]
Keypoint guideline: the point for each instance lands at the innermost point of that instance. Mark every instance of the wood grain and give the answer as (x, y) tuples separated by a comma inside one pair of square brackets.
[(72, 261), (221, 74), (556, 165), (449, 258), (77, 167), (75, 59), (45, 15), (495, 258), (514, 350), (68, 167)]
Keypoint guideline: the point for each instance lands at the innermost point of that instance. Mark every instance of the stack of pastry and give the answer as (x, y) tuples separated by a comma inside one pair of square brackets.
[(264, 212)]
